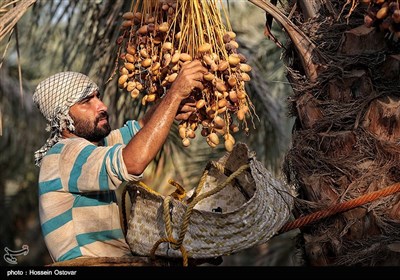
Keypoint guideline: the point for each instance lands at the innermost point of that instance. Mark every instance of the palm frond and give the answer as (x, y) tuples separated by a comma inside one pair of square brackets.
[(11, 12)]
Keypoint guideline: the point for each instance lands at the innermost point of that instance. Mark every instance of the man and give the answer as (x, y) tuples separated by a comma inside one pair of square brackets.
[(83, 162)]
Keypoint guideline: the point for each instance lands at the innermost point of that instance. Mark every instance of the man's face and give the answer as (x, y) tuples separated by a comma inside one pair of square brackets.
[(90, 118)]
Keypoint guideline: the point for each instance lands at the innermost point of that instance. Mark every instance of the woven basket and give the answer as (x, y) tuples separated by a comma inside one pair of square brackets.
[(246, 212)]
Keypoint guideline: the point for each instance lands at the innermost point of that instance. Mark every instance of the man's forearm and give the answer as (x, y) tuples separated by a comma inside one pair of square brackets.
[(155, 129), (149, 113)]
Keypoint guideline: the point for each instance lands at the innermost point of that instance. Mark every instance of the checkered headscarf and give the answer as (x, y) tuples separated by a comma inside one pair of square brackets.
[(54, 96)]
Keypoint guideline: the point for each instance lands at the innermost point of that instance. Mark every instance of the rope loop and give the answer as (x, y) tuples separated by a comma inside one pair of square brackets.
[(172, 241)]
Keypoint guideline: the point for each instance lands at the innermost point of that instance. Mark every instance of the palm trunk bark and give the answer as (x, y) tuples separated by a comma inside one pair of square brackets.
[(346, 108)]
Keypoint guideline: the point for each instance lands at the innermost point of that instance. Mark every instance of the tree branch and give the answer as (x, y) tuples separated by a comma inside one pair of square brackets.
[(305, 48)]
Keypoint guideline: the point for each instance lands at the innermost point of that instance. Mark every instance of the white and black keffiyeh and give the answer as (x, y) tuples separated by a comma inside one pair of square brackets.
[(54, 96)]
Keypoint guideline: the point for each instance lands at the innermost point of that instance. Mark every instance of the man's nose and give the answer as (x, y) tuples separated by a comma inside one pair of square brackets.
[(100, 105)]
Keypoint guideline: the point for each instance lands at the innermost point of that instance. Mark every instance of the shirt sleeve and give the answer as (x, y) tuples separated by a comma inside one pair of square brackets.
[(87, 167), (122, 135)]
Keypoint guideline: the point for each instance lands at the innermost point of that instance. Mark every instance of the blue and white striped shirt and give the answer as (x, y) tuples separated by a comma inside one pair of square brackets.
[(77, 203)]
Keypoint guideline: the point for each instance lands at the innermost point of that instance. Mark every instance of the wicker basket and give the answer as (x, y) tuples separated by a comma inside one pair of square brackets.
[(249, 210)]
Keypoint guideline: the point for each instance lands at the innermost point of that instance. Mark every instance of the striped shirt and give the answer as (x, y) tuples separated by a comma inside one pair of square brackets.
[(78, 209)]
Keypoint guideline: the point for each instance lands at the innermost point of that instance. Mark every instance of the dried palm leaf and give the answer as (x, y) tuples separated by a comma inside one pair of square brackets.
[(12, 14)]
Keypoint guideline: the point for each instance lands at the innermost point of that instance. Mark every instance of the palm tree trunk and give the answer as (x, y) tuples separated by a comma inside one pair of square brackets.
[(345, 135)]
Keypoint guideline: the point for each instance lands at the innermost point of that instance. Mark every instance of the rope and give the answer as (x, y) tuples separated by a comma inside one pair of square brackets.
[(341, 207), (185, 256), (177, 244), (179, 192)]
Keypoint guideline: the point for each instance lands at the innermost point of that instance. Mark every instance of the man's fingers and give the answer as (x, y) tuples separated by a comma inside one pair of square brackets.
[(198, 84), (189, 78), (194, 66)]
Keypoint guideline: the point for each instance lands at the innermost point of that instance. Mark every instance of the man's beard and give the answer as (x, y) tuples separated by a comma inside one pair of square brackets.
[(91, 131)]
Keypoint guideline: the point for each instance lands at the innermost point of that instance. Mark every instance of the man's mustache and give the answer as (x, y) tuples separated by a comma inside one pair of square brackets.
[(103, 115)]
